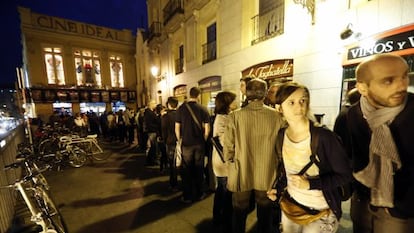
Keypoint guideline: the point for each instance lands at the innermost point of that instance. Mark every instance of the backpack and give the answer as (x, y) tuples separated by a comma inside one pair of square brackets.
[(345, 191)]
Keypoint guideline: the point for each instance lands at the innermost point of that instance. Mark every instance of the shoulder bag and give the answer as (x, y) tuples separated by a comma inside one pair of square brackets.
[(297, 212), (178, 157)]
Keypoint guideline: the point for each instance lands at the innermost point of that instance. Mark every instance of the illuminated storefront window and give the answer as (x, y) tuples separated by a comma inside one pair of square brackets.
[(117, 71), (63, 108), (54, 65), (97, 108), (88, 68)]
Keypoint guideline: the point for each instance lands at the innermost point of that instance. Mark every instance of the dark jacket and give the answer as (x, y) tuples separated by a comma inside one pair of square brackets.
[(402, 129), (334, 167), (168, 127), (152, 121)]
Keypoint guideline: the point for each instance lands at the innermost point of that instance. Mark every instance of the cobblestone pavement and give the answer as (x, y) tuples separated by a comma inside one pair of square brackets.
[(123, 195)]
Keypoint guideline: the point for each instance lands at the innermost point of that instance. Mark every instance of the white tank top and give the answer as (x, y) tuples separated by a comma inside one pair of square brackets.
[(295, 156)]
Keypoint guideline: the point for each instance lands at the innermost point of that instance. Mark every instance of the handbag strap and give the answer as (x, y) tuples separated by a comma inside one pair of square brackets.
[(193, 115)]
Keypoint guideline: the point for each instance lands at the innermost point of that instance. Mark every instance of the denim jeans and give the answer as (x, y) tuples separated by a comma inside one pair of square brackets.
[(152, 149), (171, 163), (192, 171), (326, 224)]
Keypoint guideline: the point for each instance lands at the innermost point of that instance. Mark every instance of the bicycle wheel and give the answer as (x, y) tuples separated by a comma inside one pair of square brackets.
[(47, 146), (77, 157), (98, 153), (50, 212)]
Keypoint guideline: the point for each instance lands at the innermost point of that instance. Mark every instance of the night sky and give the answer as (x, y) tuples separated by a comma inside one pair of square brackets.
[(117, 14)]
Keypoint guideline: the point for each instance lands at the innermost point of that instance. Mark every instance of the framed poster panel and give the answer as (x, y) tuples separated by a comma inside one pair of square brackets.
[(124, 96), (84, 96), (62, 95), (50, 95), (73, 96), (95, 96), (105, 96), (115, 96), (37, 95)]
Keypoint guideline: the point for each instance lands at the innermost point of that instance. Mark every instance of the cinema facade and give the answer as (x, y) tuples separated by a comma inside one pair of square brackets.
[(72, 67)]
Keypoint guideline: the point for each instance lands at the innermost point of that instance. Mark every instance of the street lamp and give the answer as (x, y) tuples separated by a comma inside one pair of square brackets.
[(154, 71)]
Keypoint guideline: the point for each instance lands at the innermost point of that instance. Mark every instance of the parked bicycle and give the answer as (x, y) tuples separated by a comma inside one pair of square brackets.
[(60, 150), (92, 147), (43, 210), (73, 149)]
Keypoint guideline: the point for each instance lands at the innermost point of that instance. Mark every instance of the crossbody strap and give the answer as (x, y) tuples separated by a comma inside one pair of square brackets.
[(314, 156), (193, 115), (314, 146)]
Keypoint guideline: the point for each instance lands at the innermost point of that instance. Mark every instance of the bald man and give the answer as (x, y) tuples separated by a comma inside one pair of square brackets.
[(379, 140)]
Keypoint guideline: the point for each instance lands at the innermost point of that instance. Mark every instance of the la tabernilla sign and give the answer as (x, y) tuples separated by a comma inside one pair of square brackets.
[(397, 41), (270, 69)]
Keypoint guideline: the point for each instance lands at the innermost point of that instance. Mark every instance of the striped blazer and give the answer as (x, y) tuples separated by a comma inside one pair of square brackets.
[(249, 146)]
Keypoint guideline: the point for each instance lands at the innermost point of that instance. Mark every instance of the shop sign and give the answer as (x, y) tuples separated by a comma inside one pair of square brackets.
[(212, 83), (180, 90), (397, 41), (270, 69)]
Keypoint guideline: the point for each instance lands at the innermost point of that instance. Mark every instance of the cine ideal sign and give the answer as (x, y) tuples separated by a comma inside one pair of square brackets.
[(397, 41), (270, 69)]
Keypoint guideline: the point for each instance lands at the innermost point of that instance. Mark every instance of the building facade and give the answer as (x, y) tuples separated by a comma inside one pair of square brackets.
[(214, 43), (73, 67)]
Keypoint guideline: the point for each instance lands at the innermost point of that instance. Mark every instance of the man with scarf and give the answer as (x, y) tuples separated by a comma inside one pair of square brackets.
[(379, 138)]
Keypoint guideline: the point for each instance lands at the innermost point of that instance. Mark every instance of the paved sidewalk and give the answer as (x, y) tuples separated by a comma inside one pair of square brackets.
[(122, 195)]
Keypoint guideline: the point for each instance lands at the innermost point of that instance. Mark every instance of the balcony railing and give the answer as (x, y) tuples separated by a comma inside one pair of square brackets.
[(209, 52), (179, 66), (173, 7), (154, 30), (268, 25)]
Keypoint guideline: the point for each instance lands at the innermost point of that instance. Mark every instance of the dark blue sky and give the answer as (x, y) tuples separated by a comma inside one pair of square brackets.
[(118, 14)]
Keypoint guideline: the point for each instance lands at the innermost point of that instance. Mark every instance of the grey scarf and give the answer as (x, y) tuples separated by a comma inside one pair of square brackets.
[(383, 154)]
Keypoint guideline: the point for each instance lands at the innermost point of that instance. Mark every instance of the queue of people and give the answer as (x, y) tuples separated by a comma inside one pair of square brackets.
[(276, 158), (277, 154)]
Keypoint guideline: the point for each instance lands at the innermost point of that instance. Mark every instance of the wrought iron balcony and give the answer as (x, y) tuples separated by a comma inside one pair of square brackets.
[(172, 12), (209, 52), (267, 25), (154, 30)]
